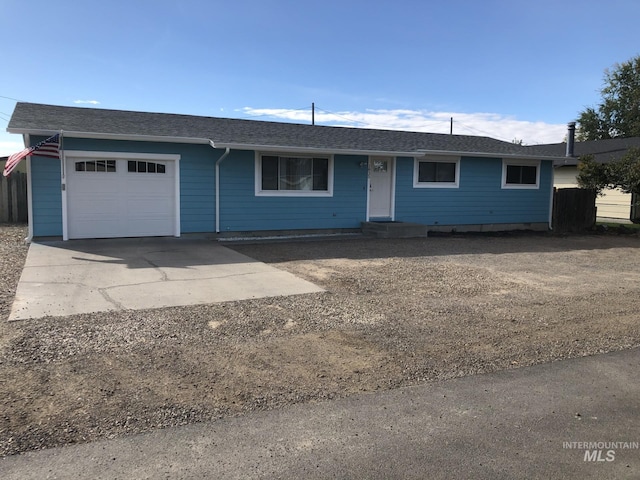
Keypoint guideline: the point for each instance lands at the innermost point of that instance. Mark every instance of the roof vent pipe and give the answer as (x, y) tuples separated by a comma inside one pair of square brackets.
[(571, 138)]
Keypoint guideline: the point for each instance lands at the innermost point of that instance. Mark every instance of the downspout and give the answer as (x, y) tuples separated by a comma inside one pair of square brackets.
[(218, 162)]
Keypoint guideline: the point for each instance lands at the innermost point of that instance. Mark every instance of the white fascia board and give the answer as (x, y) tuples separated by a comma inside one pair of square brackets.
[(511, 156), (566, 162), (323, 151), (275, 148), (121, 155), (114, 136)]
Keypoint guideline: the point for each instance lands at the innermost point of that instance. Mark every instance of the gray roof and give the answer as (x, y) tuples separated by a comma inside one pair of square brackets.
[(603, 151), (80, 121)]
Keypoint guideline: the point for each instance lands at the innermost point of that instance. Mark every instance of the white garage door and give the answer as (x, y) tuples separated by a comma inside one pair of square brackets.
[(120, 197)]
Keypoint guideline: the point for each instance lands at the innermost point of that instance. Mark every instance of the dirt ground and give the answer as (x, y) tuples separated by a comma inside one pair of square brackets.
[(395, 313)]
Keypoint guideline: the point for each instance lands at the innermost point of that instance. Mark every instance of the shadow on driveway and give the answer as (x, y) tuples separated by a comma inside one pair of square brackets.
[(65, 278)]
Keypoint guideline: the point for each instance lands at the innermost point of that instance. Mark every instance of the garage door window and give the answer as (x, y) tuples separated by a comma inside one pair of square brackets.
[(146, 167), (96, 166)]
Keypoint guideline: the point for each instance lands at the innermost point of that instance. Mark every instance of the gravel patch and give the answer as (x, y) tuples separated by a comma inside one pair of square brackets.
[(395, 313), (13, 252)]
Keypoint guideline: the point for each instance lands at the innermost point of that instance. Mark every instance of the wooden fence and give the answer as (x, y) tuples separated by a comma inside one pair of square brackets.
[(574, 209), (13, 198)]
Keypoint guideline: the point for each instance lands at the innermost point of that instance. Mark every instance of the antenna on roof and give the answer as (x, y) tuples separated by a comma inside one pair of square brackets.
[(313, 113), (451, 128)]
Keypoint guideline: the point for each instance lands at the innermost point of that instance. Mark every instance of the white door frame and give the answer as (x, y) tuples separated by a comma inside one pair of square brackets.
[(392, 179), (73, 154)]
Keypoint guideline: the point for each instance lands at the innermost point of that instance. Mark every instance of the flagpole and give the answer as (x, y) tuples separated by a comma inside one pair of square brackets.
[(29, 194), (65, 231), (61, 150)]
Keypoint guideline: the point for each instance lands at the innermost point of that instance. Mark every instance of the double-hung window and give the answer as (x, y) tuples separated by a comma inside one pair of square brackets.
[(436, 172), (291, 175), (520, 174)]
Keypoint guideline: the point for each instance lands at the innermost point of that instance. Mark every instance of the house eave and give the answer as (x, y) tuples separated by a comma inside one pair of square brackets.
[(566, 162), (395, 153), (113, 136), (276, 148), (513, 156), (299, 149)]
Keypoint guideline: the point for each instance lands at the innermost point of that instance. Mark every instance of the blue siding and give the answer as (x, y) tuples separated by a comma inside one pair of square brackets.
[(197, 189), (480, 198), (47, 197), (242, 210)]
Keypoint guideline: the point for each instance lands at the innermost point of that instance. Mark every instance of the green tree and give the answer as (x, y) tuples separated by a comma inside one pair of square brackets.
[(623, 174), (593, 175), (618, 114)]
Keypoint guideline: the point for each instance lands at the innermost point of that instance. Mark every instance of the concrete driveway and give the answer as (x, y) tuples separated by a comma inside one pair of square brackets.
[(84, 276)]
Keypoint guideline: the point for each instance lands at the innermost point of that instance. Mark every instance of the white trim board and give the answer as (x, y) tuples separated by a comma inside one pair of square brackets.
[(292, 193), (436, 159)]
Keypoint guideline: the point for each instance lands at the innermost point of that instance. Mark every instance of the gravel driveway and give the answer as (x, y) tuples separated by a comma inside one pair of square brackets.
[(396, 312)]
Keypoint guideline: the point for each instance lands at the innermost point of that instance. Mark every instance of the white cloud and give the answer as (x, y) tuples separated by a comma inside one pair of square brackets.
[(7, 147), (89, 102), (494, 125)]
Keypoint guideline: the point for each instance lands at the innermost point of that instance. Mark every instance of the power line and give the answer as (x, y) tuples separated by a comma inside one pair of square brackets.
[(491, 135), (355, 121), (281, 111), (369, 124), (10, 98), (341, 116)]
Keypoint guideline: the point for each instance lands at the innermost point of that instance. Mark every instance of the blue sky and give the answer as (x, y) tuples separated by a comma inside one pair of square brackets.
[(503, 68)]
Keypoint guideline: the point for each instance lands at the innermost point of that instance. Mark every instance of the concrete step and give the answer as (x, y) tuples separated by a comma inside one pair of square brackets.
[(394, 229)]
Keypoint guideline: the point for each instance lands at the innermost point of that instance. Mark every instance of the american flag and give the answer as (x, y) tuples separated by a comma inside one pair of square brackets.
[(46, 148)]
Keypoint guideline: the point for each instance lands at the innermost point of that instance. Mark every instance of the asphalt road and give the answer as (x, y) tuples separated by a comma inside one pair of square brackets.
[(528, 423)]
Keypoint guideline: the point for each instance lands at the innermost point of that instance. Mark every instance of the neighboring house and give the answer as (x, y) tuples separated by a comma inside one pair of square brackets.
[(22, 167), (613, 203), (129, 174)]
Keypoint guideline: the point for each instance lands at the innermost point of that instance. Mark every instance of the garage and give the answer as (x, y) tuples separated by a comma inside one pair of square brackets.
[(110, 195)]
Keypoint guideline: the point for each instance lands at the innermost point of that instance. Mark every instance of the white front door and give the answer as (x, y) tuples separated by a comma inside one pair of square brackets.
[(380, 187)]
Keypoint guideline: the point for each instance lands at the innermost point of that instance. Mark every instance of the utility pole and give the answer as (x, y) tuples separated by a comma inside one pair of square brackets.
[(451, 128), (313, 113)]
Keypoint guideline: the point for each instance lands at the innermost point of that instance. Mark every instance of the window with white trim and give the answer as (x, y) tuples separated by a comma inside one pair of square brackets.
[(520, 174), (294, 175), (432, 172)]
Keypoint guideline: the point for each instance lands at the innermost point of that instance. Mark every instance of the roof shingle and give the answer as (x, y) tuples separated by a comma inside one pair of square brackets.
[(32, 117), (603, 151)]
